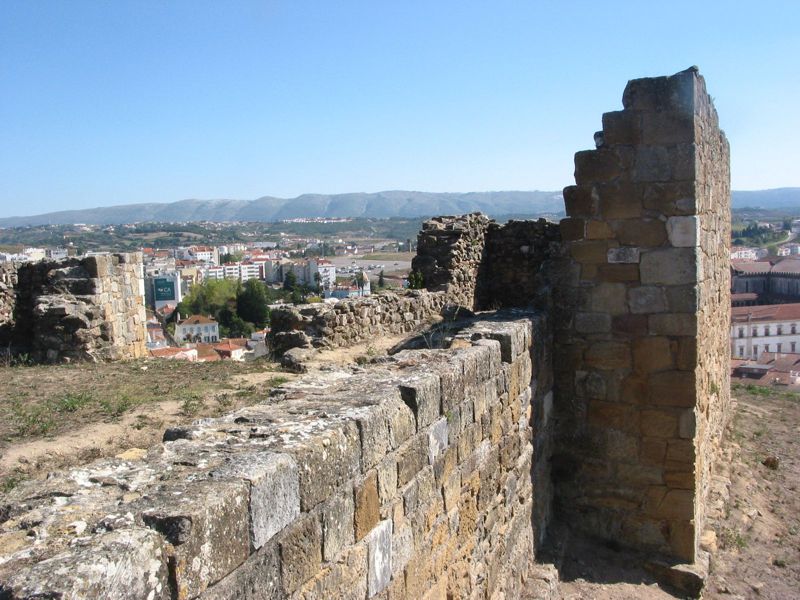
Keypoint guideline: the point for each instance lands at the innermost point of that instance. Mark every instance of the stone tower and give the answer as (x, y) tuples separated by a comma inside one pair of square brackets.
[(641, 344)]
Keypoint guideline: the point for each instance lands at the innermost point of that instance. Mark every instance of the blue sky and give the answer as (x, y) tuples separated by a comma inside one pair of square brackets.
[(106, 103)]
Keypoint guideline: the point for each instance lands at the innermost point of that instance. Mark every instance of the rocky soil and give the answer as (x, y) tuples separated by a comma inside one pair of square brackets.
[(753, 528)]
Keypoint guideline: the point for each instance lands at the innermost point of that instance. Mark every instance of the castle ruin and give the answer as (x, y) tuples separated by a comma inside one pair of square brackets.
[(594, 389)]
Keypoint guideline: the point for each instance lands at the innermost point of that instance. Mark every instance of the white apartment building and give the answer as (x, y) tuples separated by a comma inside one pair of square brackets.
[(326, 271), (769, 328), (743, 253)]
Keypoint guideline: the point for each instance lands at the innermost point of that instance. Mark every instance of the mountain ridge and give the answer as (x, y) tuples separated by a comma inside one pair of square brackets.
[(378, 205)]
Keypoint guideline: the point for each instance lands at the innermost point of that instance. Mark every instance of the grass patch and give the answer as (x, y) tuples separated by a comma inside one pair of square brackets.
[(116, 407), (733, 539), (73, 401)]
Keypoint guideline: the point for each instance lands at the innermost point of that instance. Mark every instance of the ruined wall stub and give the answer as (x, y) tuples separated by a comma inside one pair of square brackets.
[(641, 347), (89, 308)]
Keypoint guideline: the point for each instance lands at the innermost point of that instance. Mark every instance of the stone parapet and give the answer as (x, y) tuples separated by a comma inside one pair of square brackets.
[(642, 319), (406, 478)]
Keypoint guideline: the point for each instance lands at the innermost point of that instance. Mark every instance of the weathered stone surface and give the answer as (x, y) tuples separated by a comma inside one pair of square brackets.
[(380, 558), (119, 565), (671, 266), (301, 552), (208, 527), (366, 504), (88, 309), (437, 439), (338, 518), (666, 198), (274, 491)]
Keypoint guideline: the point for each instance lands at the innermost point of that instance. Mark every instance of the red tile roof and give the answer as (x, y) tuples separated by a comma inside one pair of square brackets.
[(768, 312), (197, 320)]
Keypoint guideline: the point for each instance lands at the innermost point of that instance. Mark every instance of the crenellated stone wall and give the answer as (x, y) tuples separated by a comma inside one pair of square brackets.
[(410, 478), (88, 308), (642, 362)]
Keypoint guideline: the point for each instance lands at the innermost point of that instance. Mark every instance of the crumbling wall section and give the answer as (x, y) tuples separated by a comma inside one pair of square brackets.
[(450, 251), (88, 308), (642, 320), (353, 320), (410, 478), (8, 280)]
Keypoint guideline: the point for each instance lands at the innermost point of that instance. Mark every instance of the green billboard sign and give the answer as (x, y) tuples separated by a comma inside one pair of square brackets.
[(164, 289)]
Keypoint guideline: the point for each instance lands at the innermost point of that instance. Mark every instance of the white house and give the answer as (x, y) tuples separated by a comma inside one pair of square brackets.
[(197, 328), (767, 328)]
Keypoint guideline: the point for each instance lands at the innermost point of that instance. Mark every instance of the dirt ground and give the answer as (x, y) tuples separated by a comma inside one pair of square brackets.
[(758, 530), (59, 415), (754, 514)]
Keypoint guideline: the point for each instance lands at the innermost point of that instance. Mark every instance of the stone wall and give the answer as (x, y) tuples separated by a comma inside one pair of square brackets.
[(8, 279), (450, 251), (353, 320), (466, 262), (642, 323), (410, 478), (81, 308)]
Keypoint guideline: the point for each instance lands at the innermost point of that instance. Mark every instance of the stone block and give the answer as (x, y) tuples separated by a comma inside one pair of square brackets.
[(608, 298), (669, 266), (301, 552), (580, 200), (598, 230), (671, 198), (274, 491), (329, 459), (592, 252), (673, 324), (682, 231), (622, 127), (592, 322), (572, 229), (346, 579), (437, 439), (618, 273), (646, 299), (624, 255), (338, 518), (658, 423), (667, 127), (412, 458), (646, 233), (686, 424), (387, 479), (208, 527), (629, 325), (422, 395), (379, 558), (258, 578), (594, 166), (672, 388), (367, 505), (119, 565), (652, 354), (620, 200), (613, 415), (608, 355), (682, 299)]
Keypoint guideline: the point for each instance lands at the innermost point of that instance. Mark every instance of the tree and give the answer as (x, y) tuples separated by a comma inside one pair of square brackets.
[(251, 303), (290, 280), (317, 280), (381, 280), (415, 280)]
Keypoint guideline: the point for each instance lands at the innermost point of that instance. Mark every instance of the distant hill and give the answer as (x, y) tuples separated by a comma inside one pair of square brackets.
[(767, 199), (375, 205)]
